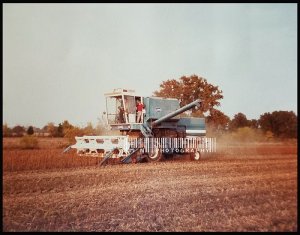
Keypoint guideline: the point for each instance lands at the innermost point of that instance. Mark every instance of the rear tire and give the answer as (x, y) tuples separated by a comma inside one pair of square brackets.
[(196, 156)]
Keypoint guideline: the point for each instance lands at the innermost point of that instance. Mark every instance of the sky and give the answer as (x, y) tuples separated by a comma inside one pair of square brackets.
[(60, 59)]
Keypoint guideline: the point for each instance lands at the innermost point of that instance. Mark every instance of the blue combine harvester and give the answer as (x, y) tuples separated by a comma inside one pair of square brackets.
[(150, 129)]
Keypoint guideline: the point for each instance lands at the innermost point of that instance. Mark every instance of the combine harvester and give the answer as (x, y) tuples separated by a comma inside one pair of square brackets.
[(157, 135)]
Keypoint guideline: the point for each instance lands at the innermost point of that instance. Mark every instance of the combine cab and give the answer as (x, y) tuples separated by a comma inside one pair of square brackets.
[(150, 129)]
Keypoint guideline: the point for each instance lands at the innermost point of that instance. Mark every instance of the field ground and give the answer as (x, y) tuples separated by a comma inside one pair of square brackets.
[(245, 187)]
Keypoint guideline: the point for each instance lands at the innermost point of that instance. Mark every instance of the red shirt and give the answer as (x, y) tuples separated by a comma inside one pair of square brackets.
[(139, 107)]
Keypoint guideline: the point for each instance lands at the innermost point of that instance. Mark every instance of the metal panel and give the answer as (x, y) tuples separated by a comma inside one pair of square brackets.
[(194, 126), (159, 107), (193, 123)]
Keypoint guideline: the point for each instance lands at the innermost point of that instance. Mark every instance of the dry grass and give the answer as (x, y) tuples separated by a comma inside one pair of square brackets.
[(252, 189), (49, 156)]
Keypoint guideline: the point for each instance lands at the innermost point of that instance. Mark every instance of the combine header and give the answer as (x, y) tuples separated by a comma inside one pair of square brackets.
[(149, 130)]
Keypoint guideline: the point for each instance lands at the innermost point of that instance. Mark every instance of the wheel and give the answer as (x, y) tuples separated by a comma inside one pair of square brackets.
[(155, 155), (196, 156)]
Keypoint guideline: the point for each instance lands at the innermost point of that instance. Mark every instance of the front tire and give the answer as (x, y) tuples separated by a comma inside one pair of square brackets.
[(155, 155)]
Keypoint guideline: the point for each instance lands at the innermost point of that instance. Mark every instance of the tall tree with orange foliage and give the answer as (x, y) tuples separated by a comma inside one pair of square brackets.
[(188, 89)]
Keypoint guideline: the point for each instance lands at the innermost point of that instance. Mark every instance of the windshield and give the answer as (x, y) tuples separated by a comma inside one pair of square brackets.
[(121, 109), (115, 110)]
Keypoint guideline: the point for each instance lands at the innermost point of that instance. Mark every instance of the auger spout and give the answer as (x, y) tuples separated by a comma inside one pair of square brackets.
[(176, 112)]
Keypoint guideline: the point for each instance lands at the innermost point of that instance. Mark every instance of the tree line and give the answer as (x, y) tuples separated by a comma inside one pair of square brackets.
[(63, 129), (281, 124)]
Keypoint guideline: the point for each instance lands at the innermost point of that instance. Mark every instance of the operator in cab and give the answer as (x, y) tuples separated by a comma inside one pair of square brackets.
[(139, 111)]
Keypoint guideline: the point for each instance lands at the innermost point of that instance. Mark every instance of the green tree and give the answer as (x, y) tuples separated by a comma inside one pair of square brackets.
[(282, 124), (6, 131), (51, 129), (67, 127), (265, 122), (239, 120), (72, 132), (18, 130), (188, 89), (59, 131), (30, 130), (217, 120)]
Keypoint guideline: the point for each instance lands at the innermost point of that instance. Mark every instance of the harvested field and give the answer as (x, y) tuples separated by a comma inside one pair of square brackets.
[(242, 188)]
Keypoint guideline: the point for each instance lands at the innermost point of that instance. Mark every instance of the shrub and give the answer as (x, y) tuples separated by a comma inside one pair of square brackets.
[(29, 142), (30, 130), (70, 133)]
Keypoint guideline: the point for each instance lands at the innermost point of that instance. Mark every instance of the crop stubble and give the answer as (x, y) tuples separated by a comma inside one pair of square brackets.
[(229, 192)]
